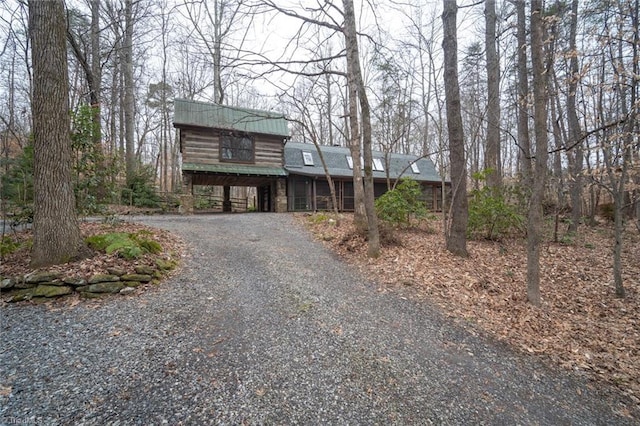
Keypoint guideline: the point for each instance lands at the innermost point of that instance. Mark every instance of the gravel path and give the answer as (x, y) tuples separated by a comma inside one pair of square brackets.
[(264, 326)]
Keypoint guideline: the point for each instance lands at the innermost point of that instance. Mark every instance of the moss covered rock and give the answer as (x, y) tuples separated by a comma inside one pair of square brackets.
[(102, 278), (106, 287), (136, 277), (44, 290)]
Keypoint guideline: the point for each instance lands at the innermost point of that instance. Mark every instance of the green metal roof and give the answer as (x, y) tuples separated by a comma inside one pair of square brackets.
[(201, 114), (336, 159), (235, 169)]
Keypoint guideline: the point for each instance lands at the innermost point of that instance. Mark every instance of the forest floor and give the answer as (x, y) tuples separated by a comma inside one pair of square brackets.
[(581, 324)]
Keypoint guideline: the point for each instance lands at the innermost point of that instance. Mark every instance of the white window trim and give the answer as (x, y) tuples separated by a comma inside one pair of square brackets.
[(414, 168), (350, 161), (377, 165)]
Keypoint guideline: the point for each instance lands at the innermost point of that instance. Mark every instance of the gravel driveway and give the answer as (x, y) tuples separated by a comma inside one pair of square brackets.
[(265, 326)]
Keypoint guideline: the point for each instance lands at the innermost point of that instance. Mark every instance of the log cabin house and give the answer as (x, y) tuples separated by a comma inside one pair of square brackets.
[(228, 146)]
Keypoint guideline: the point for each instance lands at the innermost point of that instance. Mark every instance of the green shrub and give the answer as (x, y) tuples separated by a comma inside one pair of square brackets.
[(150, 246), (140, 190), (8, 246), (398, 206), (128, 246), (490, 215)]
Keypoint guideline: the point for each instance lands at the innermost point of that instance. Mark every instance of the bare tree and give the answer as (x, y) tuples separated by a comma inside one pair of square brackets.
[(523, 94), (457, 233), (129, 100), (535, 219), (357, 90), (213, 22), (56, 234), (575, 156), (492, 151)]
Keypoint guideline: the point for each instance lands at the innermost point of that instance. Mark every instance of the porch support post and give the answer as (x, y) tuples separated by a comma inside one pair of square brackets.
[(226, 202), (281, 196), (186, 199)]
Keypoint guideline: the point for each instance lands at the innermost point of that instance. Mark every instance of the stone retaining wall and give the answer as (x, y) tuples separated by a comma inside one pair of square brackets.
[(43, 285)]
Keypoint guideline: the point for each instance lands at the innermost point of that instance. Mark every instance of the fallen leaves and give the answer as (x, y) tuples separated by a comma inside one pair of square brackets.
[(581, 325)]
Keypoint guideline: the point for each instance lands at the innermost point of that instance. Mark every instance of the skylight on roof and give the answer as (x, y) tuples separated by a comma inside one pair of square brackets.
[(350, 161), (307, 158), (414, 167), (377, 165)]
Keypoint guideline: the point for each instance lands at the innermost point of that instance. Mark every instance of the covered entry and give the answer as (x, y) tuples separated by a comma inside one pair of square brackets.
[(227, 147)]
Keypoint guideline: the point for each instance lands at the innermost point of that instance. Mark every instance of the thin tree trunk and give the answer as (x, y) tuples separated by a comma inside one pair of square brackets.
[(457, 234), (357, 88), (576, 164), (96, 71), (129, 103), (523, 96), (492, 152), (536, 219), (56, 233)]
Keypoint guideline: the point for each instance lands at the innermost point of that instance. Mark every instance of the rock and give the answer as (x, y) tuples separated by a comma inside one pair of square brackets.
[(44, 290), (87, 295), (102, 278), (166, 265), (75, 281), (132, 283), (105, 287), (116, 271), (127, 290), (7, 283), (20, 295), (144, 270), (23, 284), (41, 277), (136, 277), (54, 282)]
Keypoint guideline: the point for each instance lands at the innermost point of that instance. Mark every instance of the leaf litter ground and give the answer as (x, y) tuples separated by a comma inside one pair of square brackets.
[(581, 325)]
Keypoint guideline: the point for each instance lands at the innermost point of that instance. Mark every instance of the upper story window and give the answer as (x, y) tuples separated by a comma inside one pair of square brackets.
[(236, 148), (414, 167), (307, 158)]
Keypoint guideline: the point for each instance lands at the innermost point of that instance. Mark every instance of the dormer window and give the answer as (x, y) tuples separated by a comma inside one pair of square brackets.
[(307, 158), (350, 162), (414, 167), (377, 165)]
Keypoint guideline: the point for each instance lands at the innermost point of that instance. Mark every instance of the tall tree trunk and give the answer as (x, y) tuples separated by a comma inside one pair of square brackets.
[(457, 234), (217, 52), (492, 151), (129, 102), (575, 154), (356, 83), (523, 94), (536, 220), (327, 77), (96, 71), (56, 234)]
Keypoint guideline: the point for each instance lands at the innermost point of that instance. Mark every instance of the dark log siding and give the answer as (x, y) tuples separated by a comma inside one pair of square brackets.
[(202, 146)]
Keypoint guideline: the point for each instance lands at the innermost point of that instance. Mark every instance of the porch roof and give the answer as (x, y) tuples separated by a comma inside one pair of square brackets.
[(235, 169)]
